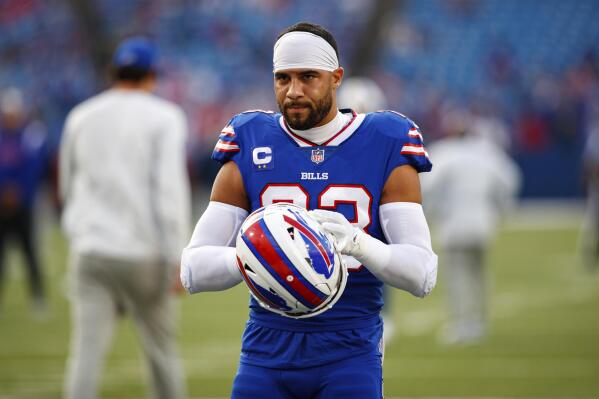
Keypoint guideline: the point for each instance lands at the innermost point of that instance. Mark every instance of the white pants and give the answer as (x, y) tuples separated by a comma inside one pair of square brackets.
[(466, 284), (102, 289)]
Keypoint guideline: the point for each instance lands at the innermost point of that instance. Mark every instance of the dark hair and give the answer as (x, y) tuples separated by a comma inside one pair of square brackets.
[(131, 74), (314, 29)]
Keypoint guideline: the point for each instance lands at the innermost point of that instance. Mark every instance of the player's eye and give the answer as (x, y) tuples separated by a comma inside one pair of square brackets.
[(281, 78)]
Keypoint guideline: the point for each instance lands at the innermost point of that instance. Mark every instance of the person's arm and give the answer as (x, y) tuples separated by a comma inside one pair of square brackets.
[(509, 180), (408, 261), (34, 148), (170, 188), (208, 263)]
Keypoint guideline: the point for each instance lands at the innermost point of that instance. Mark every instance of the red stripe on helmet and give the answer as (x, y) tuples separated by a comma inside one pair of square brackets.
[(310, 236), (261, 243)]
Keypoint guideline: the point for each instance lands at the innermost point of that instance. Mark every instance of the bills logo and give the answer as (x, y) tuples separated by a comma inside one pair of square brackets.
[(314, 176), (317, 156)]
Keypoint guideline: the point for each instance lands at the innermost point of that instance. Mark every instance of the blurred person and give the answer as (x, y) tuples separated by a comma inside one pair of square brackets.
[(361, 94), (358, 167), (125, 189), (491, 129), (474, 183), (364, 95), (23, 159), (589, 239)]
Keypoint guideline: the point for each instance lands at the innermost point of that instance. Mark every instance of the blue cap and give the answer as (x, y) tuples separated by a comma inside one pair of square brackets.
[(136, 52)]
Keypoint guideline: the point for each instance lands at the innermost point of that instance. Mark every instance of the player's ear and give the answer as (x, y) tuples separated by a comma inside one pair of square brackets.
[(337, 75)]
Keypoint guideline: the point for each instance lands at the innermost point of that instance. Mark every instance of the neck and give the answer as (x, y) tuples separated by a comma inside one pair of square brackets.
[(146, 85), (322, 132)]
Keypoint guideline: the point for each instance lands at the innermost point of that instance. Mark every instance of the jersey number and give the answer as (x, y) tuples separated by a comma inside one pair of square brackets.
[(330, 198)]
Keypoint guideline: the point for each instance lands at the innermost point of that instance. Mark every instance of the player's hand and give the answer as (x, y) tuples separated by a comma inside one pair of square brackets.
[(346, 235), (176, 285)]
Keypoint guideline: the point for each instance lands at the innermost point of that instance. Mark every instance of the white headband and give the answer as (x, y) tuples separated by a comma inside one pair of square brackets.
[(303, 50)]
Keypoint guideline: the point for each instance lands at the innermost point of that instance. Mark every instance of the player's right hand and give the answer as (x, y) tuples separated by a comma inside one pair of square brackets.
[(176, 284), (346, 235)]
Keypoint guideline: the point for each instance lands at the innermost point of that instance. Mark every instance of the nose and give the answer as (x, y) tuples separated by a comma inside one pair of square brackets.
[(295, 89)]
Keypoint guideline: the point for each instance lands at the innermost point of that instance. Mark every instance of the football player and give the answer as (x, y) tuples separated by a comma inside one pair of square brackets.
[(359, 173)]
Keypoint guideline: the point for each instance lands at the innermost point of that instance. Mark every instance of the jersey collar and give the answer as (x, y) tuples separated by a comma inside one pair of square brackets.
[(335, 140)]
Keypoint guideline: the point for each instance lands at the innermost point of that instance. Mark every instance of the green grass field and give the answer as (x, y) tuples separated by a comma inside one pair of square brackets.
[(543, 341)]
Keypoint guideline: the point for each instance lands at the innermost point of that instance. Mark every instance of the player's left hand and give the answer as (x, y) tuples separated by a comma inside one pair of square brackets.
[(346, 235)]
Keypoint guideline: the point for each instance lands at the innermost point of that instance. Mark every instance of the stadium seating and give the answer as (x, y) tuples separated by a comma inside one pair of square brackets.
[(217, 56)]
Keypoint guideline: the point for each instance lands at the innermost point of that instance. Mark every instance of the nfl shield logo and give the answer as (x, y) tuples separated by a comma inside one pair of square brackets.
[(317, 156)]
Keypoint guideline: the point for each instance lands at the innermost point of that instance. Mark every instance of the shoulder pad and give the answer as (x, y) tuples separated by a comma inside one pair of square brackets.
[(406, 135), (396, 125), (247, 116), (230, 140)]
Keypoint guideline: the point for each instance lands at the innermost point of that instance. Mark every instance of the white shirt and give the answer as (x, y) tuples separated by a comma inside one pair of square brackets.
[(472, 183), (322, 133), (123, 177)]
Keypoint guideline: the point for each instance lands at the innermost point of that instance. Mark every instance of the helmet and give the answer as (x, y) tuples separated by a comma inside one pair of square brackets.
[(289, 264), (361, 94)]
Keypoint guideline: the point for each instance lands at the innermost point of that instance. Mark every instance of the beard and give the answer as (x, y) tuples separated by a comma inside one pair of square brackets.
[(316, 113)]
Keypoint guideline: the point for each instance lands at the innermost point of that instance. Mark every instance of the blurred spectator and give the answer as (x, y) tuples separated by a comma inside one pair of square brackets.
[(361, 94), (22, 165), (124, 183), (536, 79), (472, 184), (590, 230), (490, 128)]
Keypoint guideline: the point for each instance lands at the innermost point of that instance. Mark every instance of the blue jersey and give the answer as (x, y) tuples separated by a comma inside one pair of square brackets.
[(23, 156), (345, 174)]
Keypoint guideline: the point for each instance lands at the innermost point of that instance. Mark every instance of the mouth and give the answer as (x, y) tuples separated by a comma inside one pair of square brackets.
[(297, 107)]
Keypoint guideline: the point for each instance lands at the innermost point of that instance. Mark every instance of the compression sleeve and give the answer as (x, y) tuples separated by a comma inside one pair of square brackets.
[(208, 263), (408, 261)]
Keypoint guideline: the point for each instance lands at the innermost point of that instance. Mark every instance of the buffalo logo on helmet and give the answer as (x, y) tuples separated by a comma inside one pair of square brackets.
[(289, 264)]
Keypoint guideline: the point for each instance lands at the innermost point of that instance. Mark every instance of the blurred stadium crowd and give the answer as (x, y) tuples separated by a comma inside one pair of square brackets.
[(528, 68), (524, 73)]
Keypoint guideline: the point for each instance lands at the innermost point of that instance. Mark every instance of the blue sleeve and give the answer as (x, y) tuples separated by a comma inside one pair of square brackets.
[(33, 171), (227, 147), (407, 147), (240, 128)]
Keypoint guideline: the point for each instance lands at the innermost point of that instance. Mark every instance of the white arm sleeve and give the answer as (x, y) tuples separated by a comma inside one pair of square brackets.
[(408, 261), (209, 262)]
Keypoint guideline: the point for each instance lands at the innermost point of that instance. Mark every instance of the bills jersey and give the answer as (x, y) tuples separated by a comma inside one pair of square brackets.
[(346, 174)]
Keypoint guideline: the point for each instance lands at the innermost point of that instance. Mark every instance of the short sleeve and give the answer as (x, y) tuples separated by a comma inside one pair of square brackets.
[(407, 146), (227, 147), (412, 150)]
